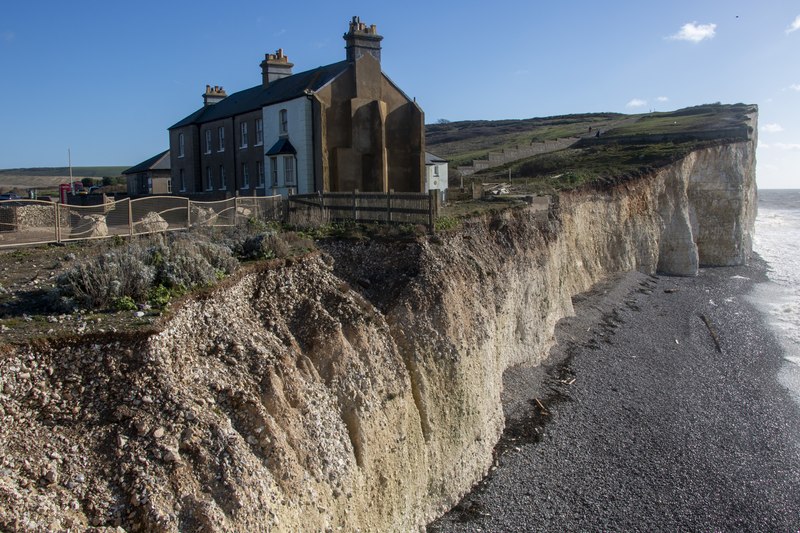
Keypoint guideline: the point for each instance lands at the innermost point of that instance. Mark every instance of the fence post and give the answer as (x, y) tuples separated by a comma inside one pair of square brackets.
[(236, 210), (188, 213), (58, 222), (355, 205), (130, 217), (321, 204), (389, 205), (432, 197)]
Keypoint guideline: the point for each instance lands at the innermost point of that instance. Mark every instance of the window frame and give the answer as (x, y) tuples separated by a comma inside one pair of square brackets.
[(245, 176), (262, 179), (283, 122), (289, 171), (221, 139), (181, 145), (273, 161), (259, 132), (208, 141), (222, 180), (209, 178), (182, 180), (243, 137)]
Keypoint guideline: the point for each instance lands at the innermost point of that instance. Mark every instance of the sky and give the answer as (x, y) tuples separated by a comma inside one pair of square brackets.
[(105, 79)]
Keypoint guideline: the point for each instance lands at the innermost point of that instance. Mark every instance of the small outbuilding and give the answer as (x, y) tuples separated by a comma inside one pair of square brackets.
[(436, 175), (151, 176)]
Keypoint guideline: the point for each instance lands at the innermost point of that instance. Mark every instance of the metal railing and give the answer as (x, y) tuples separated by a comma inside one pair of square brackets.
[(25, 222)]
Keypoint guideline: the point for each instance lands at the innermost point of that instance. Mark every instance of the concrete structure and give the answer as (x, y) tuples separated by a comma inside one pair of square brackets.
[(339, 127), (436, 175), (150, 177)]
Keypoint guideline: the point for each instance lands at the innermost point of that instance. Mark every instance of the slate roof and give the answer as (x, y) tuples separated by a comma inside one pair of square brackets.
[(283, 146), (157, 162), (257, 97), (430, 159)]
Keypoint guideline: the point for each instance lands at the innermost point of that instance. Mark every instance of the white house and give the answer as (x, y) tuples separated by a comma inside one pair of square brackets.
[(436, 175)]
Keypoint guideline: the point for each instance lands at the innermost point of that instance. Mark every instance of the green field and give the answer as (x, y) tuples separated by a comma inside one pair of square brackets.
[(629, 145), (47, 179)]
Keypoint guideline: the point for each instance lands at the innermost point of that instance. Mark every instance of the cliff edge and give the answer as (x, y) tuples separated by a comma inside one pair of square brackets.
[(355, 389)]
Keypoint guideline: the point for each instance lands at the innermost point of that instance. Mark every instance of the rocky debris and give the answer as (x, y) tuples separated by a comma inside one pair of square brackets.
[(152, 222)]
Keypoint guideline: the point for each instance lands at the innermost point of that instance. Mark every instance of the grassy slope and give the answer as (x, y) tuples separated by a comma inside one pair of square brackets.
[(623, 152), (50, 177)]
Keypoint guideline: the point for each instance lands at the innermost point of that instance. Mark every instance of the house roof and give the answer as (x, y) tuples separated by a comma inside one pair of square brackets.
[(431, 159), (283, 146), (259, 96), (157, 162)]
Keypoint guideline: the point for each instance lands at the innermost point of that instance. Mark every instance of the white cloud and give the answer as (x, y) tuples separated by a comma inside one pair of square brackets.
[(772, 128), (662, 99), (794, 26), (636, 102), (787, 146), (694, 32), (763, 145), (795, 87)]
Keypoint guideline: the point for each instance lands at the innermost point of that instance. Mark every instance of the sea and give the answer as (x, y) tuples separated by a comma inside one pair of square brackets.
[(777, 239)]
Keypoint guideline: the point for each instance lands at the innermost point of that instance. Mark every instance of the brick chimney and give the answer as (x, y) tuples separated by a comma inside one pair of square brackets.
[(213, 95), (361, 40), (274, 67)]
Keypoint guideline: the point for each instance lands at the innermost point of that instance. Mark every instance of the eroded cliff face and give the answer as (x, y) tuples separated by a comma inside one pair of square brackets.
[(355, 389)]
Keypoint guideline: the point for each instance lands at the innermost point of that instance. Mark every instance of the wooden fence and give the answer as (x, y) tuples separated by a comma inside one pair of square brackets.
[(356, 206)]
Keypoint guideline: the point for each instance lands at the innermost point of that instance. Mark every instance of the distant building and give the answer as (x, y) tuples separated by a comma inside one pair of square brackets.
[(339, 127), (150, 177), (436, 175)]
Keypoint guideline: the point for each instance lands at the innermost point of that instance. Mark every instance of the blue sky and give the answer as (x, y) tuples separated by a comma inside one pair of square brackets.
[(106, 79)]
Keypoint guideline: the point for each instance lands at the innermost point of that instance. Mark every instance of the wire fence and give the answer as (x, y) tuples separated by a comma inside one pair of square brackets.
[(25, 222)]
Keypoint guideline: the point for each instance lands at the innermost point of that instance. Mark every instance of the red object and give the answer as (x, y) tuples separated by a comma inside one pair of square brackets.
[(63, 189)]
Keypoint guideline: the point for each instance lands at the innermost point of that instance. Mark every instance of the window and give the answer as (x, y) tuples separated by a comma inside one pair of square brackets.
[(182, 180), (243, 140), (259, 131), (245, 177), (260, 172), (221, 135), (273, 163), (288, 170), (169, 186), (180, 145), (208, 141), (284, 121), (209, 179), (222, 184), (436, 170)]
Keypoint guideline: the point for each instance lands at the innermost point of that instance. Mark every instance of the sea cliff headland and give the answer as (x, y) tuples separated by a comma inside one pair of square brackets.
[(358, 387)]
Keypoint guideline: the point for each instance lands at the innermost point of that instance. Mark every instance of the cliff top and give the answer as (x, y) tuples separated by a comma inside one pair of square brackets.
[(605, 146)]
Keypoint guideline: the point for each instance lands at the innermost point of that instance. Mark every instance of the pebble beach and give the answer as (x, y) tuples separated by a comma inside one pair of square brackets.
[(658, 410)]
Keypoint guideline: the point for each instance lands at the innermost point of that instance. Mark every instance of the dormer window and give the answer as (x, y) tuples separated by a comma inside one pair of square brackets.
[(284, 121)]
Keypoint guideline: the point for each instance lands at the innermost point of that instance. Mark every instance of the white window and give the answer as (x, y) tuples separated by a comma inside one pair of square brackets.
[(243, 139), (284, 121), (180, 145), (259, 131), (222, 184), (260, 172), (182, 180), (208, 141), (245, 177), (273, 163), (221, 135), (209, 179), (288, 170)]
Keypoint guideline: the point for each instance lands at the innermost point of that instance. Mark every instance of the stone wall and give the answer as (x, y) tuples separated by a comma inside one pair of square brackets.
[(509, 155)]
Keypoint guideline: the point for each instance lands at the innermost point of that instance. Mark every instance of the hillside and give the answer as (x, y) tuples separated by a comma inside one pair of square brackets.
[(49, 177), (611, 146)]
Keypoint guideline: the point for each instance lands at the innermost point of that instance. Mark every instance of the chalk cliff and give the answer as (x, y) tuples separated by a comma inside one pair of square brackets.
[(355, 389)]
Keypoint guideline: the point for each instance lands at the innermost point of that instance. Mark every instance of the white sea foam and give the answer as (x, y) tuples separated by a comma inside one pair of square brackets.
[(776, 240)]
